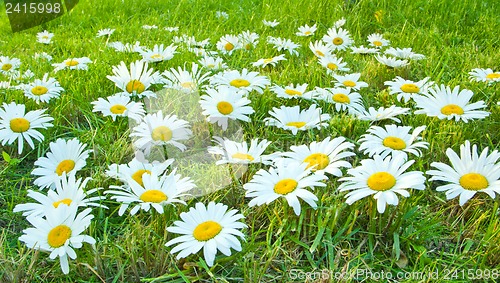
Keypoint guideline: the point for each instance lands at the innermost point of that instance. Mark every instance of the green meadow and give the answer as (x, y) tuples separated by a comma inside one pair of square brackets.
[(425, 238)]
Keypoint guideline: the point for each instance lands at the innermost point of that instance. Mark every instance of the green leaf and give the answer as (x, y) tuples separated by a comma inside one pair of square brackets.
[(6, 156)]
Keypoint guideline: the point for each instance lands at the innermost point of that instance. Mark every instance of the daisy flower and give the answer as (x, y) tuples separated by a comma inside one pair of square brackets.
[(148, 27), (306, 30), (339, 23), (64, 157), (294, 119), (43, 90), (327, 156), (127, 47), (319, 49), (240, 153), (281, 44), (69, 191), (156, 129), (171, 29), (73, 64), (16, 124), (184, 80), (105, 32), (272, 23), (382, 178), (119, 105), (292, 91), (383, 113), (269, 61), (484, 75), (337, 39), (363, 50), (159, 53), (9, 65), (42, 55), (289, 180), (135, 170), (468, 174), (44, 37), (391, 61), (136, 81), (59, 233), (404, 53), (224, 103), (406, 89), (350, 81), (222, 15), (228, 43), (444, 103), (333, 64), (156, 191), (212, 63), (343, 98), (377, 40), (248, 39), (243, 81), (210, 228), (392, 140), (5, 85)]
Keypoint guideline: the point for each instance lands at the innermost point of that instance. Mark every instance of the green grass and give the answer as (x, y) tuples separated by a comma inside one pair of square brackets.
[(424, 233)]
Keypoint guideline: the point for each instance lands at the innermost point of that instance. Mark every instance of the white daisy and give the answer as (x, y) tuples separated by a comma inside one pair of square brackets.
[(383, 113), (9, 66), (171, 29), (43, 90), (228, 44), (333, 64), (289, 180), (444, 103), (224, 103), (105, 32), (327, 156), (148, 27), (59, 233), (363, 50), (159, 53), (16, 124), (119, 105), (391, 61), (339, 23), (135, 170), (156, 191), (319, 49), (292, 91), (184, 80), (221, 15), (392, 140), (350, 81), (42, 55), (468, 174), (240, 153), (294, 119), (156, 130), (269, 61), (382, 178), (404, 53), (137, 80), (127, 47), (343, 98), (69, 191), (281, 44), (211, 228), (44, 37), (64, 157), (484, 75), (243, 81), (377, 40), (407, 89), (73, 64), (272, 23), (337, 39), (248, 39), (212, 63), (306, 30)]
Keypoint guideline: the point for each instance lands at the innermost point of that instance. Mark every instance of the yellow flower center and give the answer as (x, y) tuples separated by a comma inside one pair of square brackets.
[(248, 46), (162, 133), (188, 85), (452, 109), (225, 107), (377, 43), (6, 67), (156, 56), (117, 109), (66, 201), (332, 66), (493, 76), (137, 176), (155, 196), (307, 33), (296, 124), (349, 83), (381, 181), (239, 83), (71, 63), (268, 60), (65, 166), (285, 186), (228, 46), (338, 41), (58, 236), (39, 90), (206, 230), (210, 66), (410, 88), (135, 85), (341, 98), (293, 92), (394, 143), (243, 156), (319, 160), (45, 37), (19, 125), (473, 182), (319, 53)]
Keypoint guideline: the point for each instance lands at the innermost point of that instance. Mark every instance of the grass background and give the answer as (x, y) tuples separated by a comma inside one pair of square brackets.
[(424, 233)]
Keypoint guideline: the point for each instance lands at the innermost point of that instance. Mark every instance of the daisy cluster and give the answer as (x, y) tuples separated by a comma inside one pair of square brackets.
[(227, 97)]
